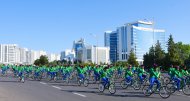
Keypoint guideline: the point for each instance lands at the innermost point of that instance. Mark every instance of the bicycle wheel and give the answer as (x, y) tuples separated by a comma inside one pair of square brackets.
[(49, 78), (164, 93), (39, 78), (86, 82), (94, 80), (55, 79), (67, 80), (124, 84), (186, 90), (22, 79), (79, 82), (101, 88), (166, 80), (172, 89), (112, 89), (137, 85), (146, 90)]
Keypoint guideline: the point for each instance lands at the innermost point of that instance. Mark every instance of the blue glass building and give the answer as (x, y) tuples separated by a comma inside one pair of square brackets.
[(144, 38), (138, 37), (77, 45), (110, 40)]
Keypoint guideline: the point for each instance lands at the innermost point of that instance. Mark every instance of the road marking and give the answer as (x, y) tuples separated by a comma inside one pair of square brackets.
[(182, 95), (80, 94), (43, 83), (56, 87)]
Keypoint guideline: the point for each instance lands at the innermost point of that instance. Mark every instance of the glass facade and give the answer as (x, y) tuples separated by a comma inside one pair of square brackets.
[(110, 40), (113, 47), (143, 39), (160, 36), (77, 46), (107, 39), (138, 36), (122, 43)]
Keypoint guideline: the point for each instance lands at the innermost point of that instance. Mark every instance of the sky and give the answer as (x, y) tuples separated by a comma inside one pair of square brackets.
[(53, 25)]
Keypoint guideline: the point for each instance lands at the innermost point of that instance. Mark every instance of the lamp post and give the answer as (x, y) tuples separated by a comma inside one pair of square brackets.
[(153, 39), (96, 37)]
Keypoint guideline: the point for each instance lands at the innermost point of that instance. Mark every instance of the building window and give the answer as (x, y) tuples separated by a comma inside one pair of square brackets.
[(88, 53)]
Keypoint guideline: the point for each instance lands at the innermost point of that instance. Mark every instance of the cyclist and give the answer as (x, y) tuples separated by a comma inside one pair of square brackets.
[(171, 72), (80, 72), (154, 77), (119, 71), (128, 74), (177, 77), (104, 78), (184, 71), (134, 69), (185, 74), (141, 73), (96, 70), (4, 69), (21, 71)]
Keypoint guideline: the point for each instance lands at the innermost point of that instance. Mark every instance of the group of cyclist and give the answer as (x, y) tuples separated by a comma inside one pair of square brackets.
[(105, 74)]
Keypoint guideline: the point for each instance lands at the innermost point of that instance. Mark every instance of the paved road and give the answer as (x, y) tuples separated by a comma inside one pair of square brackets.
[(11, 90)]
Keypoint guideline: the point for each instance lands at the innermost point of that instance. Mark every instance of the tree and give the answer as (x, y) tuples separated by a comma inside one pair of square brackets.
[(149, 58), (173, 56), (146, 60), (121, 63), (187, 62), (132, 59), (183, 51), (159, 55), (53, 63), (177, 54), (42, 61), (37, 62), (63, 61)]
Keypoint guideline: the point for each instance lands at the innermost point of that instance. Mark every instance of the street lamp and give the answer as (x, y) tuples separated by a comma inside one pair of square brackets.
[(96, 37), (153, 39)]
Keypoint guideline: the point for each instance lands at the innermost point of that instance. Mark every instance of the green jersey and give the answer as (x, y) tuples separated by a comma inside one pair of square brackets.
[(128, 72), (178, 74), (80, 70), (103, 74), (154, 73), (184, 72), (141, 71)]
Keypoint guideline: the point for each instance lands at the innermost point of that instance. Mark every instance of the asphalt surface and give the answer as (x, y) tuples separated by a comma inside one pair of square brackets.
[(12, 90)]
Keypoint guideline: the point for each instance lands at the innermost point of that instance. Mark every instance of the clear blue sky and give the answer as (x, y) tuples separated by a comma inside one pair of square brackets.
[(53, 25)]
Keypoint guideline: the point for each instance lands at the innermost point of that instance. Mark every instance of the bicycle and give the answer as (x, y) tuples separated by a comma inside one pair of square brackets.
[(184, 85), (109, 85), (162, 91)]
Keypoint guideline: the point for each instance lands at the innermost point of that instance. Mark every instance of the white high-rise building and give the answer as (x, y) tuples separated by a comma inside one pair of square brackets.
[(94, 54), (53, 57), (9, 53), (23, 55), (32, 55), (12, 54)]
